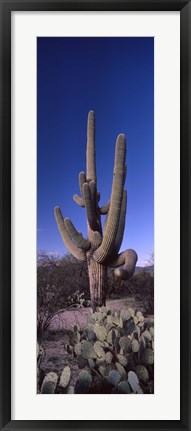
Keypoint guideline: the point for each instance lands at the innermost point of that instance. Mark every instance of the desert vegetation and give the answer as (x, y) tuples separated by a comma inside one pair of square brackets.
[(114, 353), (94, 311), (62, 283), (80, 350)]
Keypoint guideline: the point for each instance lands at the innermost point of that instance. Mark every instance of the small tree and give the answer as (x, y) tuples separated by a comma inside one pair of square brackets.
[(100, 250), (150, 261), (142, 288), (57, 281)]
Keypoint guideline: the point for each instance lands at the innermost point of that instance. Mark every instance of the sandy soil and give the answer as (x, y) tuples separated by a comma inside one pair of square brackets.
[(68, 319)]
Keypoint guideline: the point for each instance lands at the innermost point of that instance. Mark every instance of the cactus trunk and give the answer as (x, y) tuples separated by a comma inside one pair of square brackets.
[(97, 282)]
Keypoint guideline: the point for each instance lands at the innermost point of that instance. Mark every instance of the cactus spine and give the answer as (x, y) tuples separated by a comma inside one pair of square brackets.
[(100, 250)]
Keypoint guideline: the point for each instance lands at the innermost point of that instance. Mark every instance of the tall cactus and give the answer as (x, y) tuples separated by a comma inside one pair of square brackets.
[(100, 250)]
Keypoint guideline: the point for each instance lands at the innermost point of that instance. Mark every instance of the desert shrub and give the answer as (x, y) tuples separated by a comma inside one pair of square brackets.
[(115, 353), (59, 286), (114, 285), (141, 286)]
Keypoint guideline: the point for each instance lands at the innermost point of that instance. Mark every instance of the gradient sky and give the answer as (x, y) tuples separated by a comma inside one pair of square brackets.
[(115, 78)]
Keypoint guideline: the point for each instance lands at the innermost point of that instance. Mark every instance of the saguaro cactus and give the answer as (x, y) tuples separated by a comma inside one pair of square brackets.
[(101, 248)]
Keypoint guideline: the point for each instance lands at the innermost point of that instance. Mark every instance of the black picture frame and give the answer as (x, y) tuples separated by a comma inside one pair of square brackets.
[(6, 7)]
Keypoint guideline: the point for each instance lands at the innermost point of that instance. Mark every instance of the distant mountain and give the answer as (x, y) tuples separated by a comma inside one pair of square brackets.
[(149, 269)]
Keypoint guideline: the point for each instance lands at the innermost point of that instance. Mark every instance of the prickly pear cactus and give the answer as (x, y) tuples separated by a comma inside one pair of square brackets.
[(134, 383), (83, 382), (100, 249), (53, 383), (65, 377), (120, 358), (49, 383)]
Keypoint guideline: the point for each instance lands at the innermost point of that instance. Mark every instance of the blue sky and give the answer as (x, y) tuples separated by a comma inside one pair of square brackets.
[(115, 78)]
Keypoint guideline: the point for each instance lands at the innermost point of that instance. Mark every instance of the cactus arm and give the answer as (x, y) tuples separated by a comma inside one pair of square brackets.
[(104, 251), (96, 238), (79, 200), (105, 208), (119, 259), (89, 205), (90, 150), (93, 192), (82, 180), (125, 173), (75, 251), (121, 227), (76, 236), (127, 258), (105, 222)]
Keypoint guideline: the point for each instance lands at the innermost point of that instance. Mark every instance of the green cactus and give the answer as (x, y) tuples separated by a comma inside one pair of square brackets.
[(125, 343), (77, 349), (124, 388), (99, 349), (81, 361), (83, 383), (114, 377), (100, 250), (87, 350), (121, 363), (91, 363), (125, 314), (65, 377), (122, 359), (135, 346), (108, 357), (121, 370), (147, 335), (134, 383), (120, 354), (70, 390), (100, 331), (49, 383), (148, 357), (102, 370), (142, 373)]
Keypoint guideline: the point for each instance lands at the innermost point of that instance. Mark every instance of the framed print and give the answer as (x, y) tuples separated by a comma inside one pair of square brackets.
[(95, 296)]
